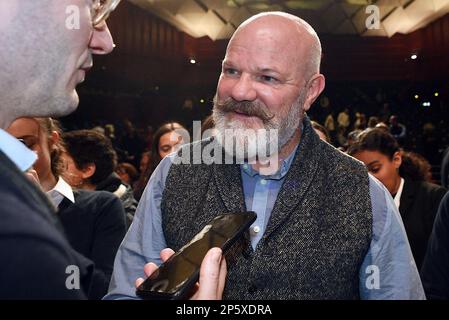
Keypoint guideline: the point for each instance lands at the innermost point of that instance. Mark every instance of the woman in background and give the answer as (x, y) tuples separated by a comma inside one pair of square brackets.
[(416, 199), (165, 141)]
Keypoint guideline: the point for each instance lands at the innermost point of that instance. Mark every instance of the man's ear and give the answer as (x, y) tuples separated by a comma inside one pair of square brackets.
[(88, 171), (314, 88)]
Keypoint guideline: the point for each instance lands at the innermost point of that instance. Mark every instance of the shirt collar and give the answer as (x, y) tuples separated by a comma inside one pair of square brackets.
[(62, 188), (16, 151), (397, 197), (285, 166)]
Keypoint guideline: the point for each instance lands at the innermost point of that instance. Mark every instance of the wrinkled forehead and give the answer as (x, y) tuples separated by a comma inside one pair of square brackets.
[(267, 47)]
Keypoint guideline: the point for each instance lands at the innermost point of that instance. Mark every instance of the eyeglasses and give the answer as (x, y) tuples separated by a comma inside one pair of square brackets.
[(101, 10)]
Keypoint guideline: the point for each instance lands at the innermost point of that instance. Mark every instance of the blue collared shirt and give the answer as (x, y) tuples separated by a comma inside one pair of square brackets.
[(388, 270), (261, 192), (16, 151)]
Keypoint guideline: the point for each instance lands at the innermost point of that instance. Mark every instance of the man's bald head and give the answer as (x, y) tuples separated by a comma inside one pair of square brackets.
[(290, 32)]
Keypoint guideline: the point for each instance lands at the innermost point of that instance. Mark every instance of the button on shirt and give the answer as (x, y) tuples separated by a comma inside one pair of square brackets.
[(260, 194), (389, 251)]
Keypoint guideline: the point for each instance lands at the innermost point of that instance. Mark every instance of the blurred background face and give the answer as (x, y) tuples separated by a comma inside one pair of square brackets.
[(34, 137), (144, 161), (168, 143), (124, 176), (42, 58), (73, 176), (382, 167)]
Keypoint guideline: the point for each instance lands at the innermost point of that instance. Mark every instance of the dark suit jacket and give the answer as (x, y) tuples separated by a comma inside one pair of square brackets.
[(435, 269), (34, 254), (95, 227), (418, 208)]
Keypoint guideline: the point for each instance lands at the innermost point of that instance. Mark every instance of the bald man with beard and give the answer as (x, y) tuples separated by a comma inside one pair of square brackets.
[(325, 228)]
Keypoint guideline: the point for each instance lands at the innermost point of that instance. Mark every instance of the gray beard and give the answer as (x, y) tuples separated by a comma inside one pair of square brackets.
[(242, 146)]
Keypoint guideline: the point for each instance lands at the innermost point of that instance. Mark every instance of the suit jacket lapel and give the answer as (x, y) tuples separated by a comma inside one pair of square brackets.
[(300, 175), (407, 197), (229, 184)]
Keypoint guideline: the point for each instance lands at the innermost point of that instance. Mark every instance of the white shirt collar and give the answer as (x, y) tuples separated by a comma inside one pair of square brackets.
[(61, 190), (16, 151), (397, 197)]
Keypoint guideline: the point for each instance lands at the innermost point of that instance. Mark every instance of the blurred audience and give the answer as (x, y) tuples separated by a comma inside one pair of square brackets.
[(382, 126), (360, 121), (397, 130), (344, 120), (353, 137), (372, 122), (127, 173)]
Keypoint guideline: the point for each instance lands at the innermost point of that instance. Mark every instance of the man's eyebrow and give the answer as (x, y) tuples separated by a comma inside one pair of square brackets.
[(267, 70), (227, 63)]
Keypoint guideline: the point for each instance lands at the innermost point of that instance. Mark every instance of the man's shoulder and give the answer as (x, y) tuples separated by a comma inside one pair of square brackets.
[(339, 161)]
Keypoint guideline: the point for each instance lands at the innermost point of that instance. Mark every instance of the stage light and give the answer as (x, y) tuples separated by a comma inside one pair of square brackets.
[(192, 61), (414, 56), (416, 96), (202, 100), (436, 94)]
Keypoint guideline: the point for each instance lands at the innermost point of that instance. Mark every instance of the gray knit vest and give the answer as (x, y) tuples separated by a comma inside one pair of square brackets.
[(318, 234)]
